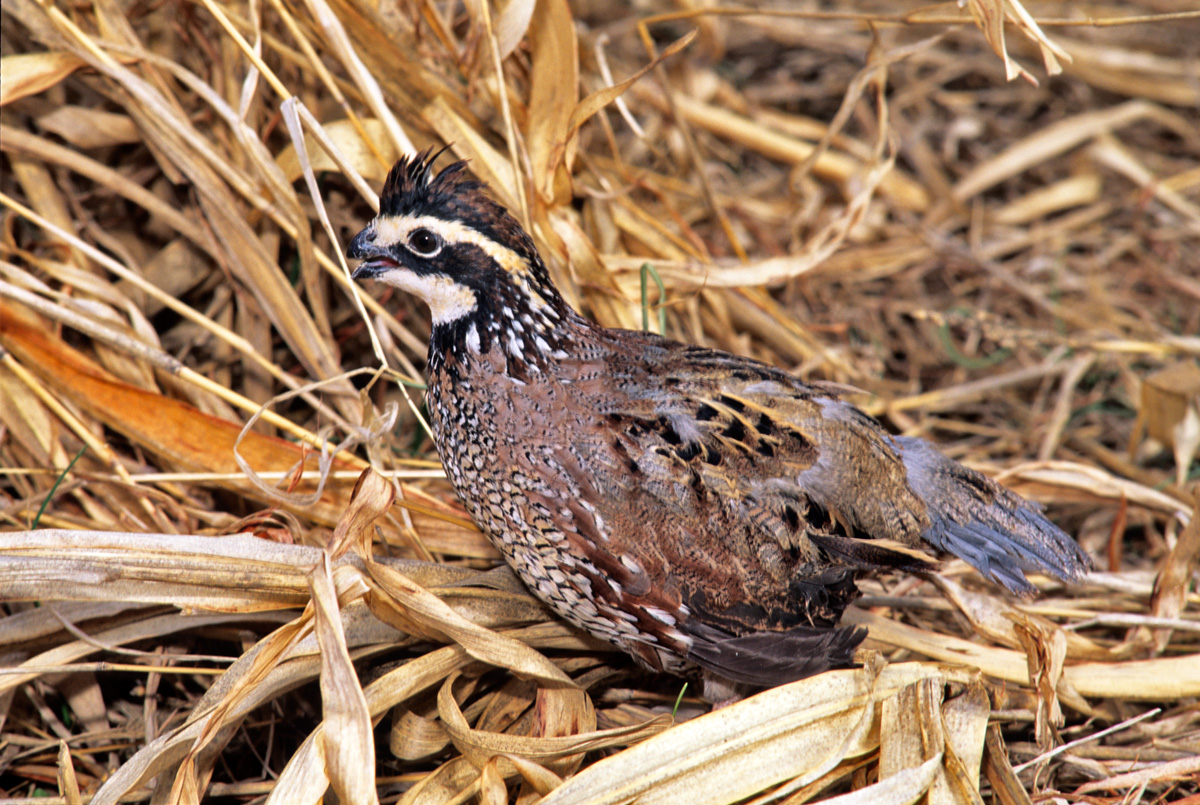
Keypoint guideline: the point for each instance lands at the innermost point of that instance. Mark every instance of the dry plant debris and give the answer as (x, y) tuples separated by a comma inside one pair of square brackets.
[(200, 604)]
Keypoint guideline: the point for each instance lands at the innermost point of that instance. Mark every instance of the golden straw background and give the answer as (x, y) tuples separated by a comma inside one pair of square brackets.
[(986, 218)]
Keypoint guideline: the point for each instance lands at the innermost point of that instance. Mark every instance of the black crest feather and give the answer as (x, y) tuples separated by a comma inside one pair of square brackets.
[(412, 188), (411, 184)]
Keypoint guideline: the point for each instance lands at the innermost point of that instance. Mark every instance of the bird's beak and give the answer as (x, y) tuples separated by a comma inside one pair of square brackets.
[(375, 259)]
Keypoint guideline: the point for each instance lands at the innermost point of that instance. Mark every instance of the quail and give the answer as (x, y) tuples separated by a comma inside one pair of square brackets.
[(704, 512)]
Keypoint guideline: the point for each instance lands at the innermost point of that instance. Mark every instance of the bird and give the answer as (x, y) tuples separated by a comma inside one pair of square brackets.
[(705, 512)]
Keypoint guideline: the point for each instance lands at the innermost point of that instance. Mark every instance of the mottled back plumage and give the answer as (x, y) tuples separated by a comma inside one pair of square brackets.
[(694, 507)]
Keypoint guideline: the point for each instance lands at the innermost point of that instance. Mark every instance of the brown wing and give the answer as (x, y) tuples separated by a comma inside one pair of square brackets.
[(809, 479)]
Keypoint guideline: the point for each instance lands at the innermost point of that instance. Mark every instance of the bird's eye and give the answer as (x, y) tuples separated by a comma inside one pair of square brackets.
[(424, 242)]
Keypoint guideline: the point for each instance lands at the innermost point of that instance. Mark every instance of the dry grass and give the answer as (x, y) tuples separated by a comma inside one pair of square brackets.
[(851, 191)]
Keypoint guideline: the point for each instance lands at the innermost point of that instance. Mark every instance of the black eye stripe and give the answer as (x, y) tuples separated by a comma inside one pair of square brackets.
[(424, 242)]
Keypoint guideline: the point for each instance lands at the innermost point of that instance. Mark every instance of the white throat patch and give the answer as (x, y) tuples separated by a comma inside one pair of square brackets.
[(448, 300)]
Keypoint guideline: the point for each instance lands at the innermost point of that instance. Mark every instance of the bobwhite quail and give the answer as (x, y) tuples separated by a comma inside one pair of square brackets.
[(695, 508)]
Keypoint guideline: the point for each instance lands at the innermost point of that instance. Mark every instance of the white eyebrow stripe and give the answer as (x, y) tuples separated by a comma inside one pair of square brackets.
[(396, 229)]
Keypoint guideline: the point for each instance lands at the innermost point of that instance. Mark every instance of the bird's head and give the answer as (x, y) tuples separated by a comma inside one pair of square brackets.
[(444, 239)]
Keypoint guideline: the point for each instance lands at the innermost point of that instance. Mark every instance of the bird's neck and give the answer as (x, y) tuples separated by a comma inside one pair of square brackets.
[(521, 323)]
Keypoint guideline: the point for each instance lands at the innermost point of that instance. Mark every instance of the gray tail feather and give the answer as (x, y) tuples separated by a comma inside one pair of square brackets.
[(998, 532)]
